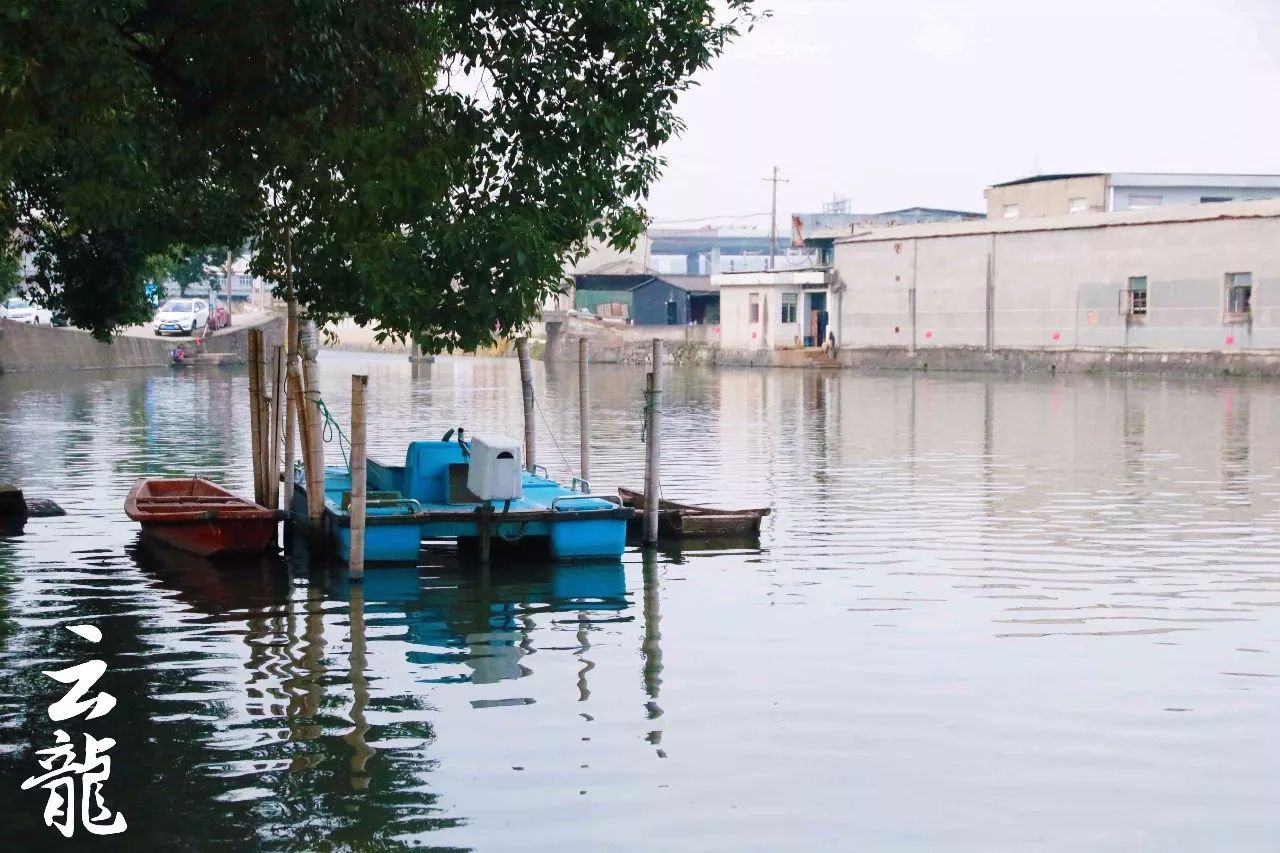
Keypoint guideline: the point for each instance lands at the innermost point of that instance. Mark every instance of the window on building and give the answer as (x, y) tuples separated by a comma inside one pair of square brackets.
[(1239, 292), (1010, 211), (789, 302), (1138, 294), (1078, 205), (1141, 202), (753, 310), (1213, 199)]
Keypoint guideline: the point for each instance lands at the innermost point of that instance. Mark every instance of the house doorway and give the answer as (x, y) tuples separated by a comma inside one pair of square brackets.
[(815, 334)]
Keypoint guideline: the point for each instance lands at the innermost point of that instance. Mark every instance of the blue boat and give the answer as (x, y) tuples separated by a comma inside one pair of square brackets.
[(428, 498)]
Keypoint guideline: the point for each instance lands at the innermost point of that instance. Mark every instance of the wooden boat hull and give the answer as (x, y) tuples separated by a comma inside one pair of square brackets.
[(684, 521), (200, 517)]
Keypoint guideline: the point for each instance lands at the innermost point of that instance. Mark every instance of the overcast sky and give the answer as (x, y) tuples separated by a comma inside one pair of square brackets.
[(897, 104)]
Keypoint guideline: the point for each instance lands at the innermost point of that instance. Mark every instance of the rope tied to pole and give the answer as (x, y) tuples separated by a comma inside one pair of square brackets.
[(650, 406), (332, 427), (567, 464)]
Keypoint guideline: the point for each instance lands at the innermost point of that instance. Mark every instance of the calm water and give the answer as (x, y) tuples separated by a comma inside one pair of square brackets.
[(987, 614)]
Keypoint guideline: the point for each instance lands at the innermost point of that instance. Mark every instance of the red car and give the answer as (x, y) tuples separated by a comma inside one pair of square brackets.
[(219, 317)]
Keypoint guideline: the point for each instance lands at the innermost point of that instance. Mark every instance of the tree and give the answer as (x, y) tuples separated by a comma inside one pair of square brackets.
[(202, 266), (425, 165), (10, 273)]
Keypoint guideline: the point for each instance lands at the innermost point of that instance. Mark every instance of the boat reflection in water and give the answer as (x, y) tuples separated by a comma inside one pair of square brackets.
[(484, 619), (459, 623), (308, 681)]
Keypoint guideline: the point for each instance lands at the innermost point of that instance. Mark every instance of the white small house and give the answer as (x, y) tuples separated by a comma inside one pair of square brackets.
[(776, 309)]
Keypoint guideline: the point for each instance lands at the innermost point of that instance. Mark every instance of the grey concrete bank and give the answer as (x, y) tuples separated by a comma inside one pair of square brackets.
[(31, 348), (614, 344)]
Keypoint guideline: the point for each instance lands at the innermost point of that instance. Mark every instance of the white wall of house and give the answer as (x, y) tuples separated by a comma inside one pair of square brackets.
[(768, 291), (1061, 287)]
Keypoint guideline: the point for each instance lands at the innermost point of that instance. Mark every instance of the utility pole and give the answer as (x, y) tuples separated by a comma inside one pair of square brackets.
[(773, 218), (227, 292)]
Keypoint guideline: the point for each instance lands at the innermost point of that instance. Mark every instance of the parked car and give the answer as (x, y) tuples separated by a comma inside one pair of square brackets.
[(219, 317), (20, 310), (181, 317)]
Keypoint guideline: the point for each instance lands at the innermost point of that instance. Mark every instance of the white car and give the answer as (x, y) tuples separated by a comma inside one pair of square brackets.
[(182, 317), (21, 311)]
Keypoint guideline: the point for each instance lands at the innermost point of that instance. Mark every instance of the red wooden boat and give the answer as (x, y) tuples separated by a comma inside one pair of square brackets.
[(201, 517)]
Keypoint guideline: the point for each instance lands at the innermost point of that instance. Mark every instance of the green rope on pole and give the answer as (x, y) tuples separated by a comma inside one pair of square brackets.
[(650, 406), (330, 427)]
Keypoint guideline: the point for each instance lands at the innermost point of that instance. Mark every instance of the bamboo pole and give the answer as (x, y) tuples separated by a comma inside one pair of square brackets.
[(309, 345), (255, 411), (653, 448), (526, 386), (299, 414), (359, 482), (277, 427), (584, 414), (291, 401), (265, 419)]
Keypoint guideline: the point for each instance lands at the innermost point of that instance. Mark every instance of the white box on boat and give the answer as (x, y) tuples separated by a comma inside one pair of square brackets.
[(494, 470)]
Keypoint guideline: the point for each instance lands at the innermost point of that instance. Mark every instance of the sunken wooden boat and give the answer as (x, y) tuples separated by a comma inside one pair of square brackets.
[(201, 517), (685, 521)]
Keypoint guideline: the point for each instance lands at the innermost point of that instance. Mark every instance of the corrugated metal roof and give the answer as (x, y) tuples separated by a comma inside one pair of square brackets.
[(1265, 209)]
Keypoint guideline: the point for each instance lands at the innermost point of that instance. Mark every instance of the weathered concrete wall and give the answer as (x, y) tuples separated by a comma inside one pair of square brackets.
[(1060, 288), (613, 343), (237, 339), (1066, 361), (29, 348), (1048, 198)]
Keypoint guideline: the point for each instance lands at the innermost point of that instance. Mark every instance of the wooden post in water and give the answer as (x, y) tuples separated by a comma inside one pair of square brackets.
[(584, 414), (300, 420), (309, 346), (277, 427), (255, 411), (653, 448), (291, 402), (265, 418), (359, 480), (526, 387)]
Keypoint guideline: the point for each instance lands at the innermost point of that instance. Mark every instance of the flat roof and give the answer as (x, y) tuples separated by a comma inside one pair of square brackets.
[(1035, 179), (1157, 179), (766, 278), (1196, 179), (1264, 209)]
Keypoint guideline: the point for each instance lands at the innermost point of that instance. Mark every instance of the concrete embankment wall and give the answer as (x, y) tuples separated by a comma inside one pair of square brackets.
[(1179, 363), (687, 345), (613, 343), (30, 348)]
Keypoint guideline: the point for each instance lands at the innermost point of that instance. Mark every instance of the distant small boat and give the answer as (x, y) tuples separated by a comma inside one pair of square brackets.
[(685, 521), (201, 517)]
